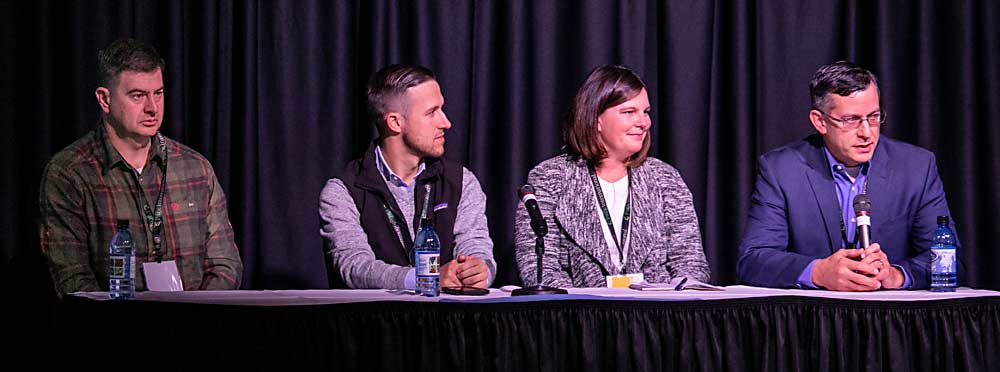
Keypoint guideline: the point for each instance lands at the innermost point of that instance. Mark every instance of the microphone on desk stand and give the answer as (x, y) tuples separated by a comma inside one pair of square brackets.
[(540, 228)]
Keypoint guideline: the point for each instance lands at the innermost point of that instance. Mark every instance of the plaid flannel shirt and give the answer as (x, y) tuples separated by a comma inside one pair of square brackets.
[(87, 186)]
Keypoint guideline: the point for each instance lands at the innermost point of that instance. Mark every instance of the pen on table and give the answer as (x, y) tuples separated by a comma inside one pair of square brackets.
[(680, 285)]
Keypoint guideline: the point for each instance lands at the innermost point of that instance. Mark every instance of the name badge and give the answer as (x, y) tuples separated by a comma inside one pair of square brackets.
[(623, 281), (162, 277)]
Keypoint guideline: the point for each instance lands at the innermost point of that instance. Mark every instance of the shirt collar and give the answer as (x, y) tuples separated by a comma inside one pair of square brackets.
[(112, 158), (388, 174), (838, 168)]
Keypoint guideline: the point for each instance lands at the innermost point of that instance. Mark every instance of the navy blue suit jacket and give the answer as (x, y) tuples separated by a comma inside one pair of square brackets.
[(794, 212)]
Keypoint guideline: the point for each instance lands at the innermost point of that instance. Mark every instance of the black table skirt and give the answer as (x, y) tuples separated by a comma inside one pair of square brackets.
[(756, 334)]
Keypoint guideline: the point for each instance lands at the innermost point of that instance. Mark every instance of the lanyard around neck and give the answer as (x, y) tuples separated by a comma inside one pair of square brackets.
[(154, 216), (619, 243), (398, 223)]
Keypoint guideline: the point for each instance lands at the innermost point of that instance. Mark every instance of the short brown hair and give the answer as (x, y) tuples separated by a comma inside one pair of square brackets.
[(606, 87), (387, 86), (126, 55), (842, 78)]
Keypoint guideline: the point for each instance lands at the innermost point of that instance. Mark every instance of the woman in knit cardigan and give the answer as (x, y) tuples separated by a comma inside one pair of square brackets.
[(610, 209)]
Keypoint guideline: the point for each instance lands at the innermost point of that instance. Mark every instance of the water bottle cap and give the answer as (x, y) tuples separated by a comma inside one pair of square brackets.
[(121, 224), (942, 220), (426, 222)]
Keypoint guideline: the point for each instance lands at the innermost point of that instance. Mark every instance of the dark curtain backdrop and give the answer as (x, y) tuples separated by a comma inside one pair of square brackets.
[(272, 92)]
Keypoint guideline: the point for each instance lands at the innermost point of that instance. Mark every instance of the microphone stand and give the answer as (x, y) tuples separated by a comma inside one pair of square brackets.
[(538, 289)]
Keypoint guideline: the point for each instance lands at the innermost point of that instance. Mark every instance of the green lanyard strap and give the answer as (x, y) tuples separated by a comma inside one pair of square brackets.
[(619, 243)]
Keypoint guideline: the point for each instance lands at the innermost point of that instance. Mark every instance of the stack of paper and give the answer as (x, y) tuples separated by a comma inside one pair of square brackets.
[(676, 284)]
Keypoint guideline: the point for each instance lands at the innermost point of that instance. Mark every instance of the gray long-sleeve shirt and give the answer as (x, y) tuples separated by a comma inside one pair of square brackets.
[(347, 245)]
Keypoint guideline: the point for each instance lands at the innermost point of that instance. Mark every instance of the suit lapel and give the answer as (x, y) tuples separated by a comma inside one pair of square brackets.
[(879, 186), (577, 214), (825, 193)]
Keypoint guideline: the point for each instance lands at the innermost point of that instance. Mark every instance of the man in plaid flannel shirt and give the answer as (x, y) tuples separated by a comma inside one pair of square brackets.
[(120, 171)]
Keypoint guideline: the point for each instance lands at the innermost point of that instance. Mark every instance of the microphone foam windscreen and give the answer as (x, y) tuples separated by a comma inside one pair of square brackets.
[(862, 204)]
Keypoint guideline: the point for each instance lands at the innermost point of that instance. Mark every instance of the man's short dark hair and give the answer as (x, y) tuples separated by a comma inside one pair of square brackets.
[(126, 55), (842, 78), (387, 86), (606, 87)]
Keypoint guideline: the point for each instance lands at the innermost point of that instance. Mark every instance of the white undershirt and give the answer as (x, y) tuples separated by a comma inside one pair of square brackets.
[(615, 194), (139, 170)]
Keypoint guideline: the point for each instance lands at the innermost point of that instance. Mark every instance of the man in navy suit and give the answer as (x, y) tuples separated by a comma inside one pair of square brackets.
[(801, 223)]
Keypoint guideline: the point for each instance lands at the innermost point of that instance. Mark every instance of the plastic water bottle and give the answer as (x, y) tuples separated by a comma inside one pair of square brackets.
[(944, 265), (122, 263), (427, 249)]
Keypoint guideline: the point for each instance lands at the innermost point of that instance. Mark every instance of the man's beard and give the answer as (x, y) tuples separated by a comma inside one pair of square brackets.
[(428, 151)]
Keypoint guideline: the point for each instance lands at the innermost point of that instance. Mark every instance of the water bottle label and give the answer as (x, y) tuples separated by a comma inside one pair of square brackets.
[(119, 266), (944, 261), (428, 263)]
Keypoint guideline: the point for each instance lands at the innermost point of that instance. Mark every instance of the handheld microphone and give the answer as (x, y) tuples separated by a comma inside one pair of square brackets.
[(862, 212), (538, 224)]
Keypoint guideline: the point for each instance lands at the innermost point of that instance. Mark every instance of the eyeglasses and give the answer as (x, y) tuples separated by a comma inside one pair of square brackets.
[(854, 122)]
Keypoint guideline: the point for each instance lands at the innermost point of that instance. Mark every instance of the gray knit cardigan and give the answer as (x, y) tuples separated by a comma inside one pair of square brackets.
[(665, 241)]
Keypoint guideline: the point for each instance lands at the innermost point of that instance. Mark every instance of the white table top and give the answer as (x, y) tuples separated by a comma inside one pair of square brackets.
[(328, 296)]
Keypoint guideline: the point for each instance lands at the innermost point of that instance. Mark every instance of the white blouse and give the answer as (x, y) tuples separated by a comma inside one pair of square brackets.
[(615, 194)]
